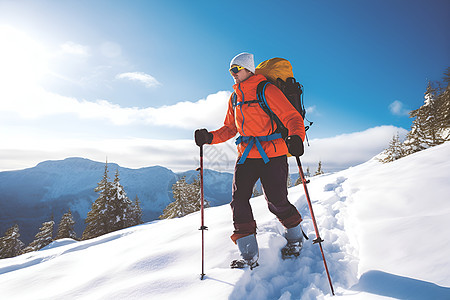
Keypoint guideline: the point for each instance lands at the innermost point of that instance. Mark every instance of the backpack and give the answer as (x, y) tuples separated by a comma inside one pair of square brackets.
[(278, 72)]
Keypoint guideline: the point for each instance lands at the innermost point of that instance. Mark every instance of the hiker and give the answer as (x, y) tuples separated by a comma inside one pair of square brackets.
[(265, 158)]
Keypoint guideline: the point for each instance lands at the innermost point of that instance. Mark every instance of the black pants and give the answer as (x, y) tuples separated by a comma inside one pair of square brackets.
[(273, 176)]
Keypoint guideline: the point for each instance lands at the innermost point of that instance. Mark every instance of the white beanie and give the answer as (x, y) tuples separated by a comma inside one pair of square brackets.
[(244, 60)]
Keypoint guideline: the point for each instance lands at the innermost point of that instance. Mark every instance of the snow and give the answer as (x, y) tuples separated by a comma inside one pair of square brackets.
[(386, 229)]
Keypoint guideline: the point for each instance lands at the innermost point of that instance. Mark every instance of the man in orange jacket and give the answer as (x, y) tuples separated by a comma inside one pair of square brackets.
[(262, 155)]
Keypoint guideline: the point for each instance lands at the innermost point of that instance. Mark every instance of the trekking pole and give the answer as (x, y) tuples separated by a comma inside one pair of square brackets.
[(202, 226), (318, 239)]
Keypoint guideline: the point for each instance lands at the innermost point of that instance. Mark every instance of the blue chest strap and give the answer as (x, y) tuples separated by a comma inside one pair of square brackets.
[(252, 140)]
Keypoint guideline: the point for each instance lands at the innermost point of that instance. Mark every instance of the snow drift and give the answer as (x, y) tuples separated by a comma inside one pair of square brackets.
[(386, 230)]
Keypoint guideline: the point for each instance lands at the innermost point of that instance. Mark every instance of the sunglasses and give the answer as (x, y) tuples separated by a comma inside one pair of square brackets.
[(236, 69)]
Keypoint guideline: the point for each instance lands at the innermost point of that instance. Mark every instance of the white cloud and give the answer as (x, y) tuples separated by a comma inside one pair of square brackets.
[(148, 80), (397, 108), (35, 102), (209, 112), (75, 49)]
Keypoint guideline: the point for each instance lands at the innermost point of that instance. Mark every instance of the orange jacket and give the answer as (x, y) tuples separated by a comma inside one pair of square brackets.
[(251, 120)]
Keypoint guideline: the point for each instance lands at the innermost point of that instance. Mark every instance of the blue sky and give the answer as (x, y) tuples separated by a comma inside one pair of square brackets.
[(131, 80)]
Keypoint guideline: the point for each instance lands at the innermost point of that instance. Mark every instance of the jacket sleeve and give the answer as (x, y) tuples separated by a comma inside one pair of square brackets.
[(228, 130), (287, 114)]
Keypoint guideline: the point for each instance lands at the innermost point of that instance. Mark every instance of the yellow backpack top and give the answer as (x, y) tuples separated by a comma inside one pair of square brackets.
[(275, 68)]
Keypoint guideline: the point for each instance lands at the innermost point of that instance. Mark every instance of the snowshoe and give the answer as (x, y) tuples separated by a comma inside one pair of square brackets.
[(291, 250), (248, 248), (243, 264), (294, 236)]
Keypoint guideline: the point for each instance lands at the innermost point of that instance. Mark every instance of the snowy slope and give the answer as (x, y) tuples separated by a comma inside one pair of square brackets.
[(386, 231)]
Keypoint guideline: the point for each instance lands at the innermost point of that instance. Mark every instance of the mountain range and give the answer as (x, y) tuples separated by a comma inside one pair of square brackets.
[(32, 196)]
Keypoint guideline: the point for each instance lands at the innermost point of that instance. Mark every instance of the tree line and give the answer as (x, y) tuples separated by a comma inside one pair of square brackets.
[(111, 211), (431, 123)]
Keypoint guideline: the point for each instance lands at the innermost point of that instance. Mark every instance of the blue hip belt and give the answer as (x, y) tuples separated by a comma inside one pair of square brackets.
[(251, 140)]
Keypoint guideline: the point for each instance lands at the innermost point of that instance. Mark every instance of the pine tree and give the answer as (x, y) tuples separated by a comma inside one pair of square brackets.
[(289, 181), (443, 100), (427, 124), (194, 196), (319, 169), (122, 210), (43, 238), (177, 208), (394, 151), (66, 227), (97, 217), (137, 212), (187, 199), (112, 210), (431, 124), (10, 245)]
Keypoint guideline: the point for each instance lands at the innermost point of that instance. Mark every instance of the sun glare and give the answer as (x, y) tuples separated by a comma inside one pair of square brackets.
[(22, 59)]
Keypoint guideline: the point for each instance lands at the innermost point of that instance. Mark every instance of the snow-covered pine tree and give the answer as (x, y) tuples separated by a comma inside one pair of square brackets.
[(319, 169), (97, 217), (431, 124), (443, 100), (426, 130), (187, 199), (66, 227), (195, 195), (10, 244), (429, 117), (394, 151), (177, 208), (42, 238), (289, 181), (137, 212), (122, 210)]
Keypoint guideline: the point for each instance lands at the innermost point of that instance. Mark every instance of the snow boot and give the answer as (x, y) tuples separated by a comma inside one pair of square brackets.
[(294, 237), (248, 246)]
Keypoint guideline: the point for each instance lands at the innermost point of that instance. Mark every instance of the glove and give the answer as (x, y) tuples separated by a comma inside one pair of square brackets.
[(295, 145), (202, 136)]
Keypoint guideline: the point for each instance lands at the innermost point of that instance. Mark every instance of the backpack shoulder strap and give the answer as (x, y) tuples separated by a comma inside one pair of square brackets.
[(260, 95), (234, 99), (235, 103)]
